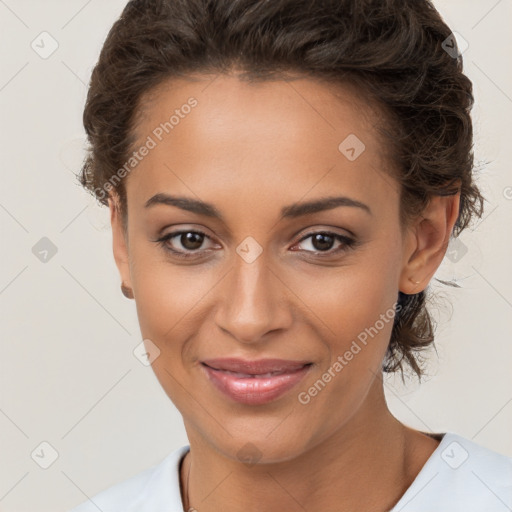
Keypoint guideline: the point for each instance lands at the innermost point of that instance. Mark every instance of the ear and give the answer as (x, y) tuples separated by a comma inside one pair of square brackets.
[(426, 242), (119, 240)]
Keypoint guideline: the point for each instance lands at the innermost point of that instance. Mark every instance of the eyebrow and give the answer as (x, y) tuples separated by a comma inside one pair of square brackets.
[(291, 211)]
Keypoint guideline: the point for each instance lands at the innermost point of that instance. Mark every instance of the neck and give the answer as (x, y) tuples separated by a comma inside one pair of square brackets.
[(366, 465)]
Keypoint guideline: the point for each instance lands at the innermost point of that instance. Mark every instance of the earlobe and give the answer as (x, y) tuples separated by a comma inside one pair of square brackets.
[(428, 241), (127, 292), (119, 246)]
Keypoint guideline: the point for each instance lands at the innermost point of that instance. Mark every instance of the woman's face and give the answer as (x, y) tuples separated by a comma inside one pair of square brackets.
[(250, 280)]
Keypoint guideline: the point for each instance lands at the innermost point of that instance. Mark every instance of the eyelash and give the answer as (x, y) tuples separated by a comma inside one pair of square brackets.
[(348, 243)]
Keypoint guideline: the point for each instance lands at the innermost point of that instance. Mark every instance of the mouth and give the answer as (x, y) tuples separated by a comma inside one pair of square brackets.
[(254, 382)]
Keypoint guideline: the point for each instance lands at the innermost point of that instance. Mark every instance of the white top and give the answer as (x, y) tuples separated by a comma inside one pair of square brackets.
[(460, 475)]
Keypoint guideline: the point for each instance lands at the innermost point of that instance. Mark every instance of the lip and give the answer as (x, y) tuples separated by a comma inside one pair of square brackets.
[(252, 382)]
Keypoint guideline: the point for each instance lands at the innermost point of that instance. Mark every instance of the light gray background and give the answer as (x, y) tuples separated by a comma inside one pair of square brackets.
[(68, 376)]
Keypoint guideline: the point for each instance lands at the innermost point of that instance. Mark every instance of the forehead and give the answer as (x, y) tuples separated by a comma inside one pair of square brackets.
[(280, 138), (225, 101)]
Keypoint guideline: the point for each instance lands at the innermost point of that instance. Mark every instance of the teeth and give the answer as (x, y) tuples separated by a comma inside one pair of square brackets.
[(247, 375)]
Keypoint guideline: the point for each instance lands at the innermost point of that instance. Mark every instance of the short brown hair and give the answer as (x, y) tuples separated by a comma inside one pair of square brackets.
[(392, 50)]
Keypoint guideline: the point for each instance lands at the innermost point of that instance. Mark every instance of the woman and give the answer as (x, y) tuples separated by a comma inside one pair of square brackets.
[(283, 180)]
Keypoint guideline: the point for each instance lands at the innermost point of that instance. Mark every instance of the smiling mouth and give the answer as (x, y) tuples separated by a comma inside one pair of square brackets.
[(255, 385), (255, 367), (257, 375)]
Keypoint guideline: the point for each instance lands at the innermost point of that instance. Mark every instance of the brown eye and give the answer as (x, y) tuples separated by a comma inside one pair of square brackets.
[(322, 242), (185, 243), (191, 240)]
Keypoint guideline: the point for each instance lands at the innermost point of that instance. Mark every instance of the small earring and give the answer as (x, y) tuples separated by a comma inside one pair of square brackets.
[(127, 292), (415, 282)]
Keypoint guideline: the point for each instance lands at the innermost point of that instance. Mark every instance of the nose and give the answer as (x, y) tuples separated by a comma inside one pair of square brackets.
[(254, 302)]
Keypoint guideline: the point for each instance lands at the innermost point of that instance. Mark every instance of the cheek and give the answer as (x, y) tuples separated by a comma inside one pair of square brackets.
[(356, 310), (360, 319), (347, 301), (168, 295), (169, 307)]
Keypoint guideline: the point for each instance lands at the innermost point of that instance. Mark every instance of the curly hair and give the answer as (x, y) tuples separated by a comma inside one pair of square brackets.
[(394, 52)]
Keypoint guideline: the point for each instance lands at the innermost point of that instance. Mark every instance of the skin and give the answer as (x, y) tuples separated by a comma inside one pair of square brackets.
[(251, 149)]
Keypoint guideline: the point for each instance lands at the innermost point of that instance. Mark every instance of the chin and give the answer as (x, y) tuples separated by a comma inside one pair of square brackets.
[(255, 445)]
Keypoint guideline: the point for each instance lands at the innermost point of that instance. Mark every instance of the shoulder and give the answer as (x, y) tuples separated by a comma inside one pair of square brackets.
[(461, 475), (154, 489)]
